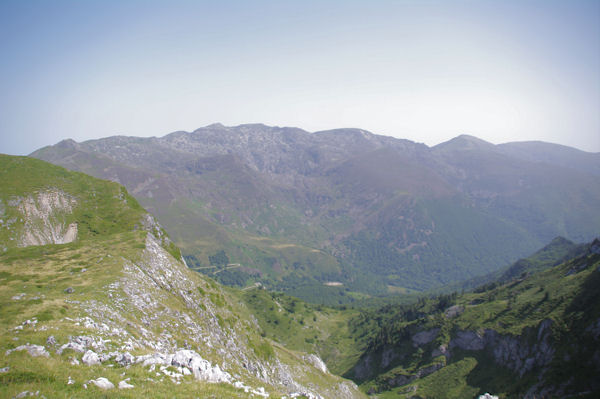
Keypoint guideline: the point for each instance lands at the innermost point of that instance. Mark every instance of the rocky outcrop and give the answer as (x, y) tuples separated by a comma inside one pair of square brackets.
[(468, 340), (33, 350), (90, 358), (201, 368), (44, 218), (519, 353), (154, 300), (316, 361), (424, 337)]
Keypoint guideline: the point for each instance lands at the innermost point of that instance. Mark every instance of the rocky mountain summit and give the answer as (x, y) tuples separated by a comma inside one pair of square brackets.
[(297, 210), (116, 310)]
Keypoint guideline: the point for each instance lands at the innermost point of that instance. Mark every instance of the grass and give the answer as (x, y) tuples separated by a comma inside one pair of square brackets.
[(316, 329), (51, 375)]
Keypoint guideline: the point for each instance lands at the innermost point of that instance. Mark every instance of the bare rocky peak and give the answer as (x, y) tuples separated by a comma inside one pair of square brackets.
[(464, 142), (267, 149)]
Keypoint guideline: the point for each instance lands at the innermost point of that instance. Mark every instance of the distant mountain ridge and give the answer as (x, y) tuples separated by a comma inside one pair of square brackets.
[(299, 209)]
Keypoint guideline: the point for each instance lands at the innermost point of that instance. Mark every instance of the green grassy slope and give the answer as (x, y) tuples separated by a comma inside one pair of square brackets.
[(503, 338), (121, 287)]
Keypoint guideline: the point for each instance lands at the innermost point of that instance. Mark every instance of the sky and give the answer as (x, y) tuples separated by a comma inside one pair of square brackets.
[(423, 70)]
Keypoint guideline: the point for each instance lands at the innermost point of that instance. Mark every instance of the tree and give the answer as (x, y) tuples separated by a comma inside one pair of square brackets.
[(219, 259)]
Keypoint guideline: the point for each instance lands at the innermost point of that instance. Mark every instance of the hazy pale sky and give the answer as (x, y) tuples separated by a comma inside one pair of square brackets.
[(422, 70)]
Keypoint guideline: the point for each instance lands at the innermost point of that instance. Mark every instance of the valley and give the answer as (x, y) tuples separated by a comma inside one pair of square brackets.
[(378, 214)]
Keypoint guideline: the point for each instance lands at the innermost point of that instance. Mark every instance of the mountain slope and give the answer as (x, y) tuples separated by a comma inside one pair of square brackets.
[(298, 211), (117, 304), (529, 337)]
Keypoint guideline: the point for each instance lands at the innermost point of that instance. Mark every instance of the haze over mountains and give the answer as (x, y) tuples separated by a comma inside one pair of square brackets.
[(363, 213)]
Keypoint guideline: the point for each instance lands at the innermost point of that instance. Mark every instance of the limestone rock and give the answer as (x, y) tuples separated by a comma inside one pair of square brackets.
[(51, 341), (90, 358), (317, 362), (468, 340), (102, 383), (424, 337), (33, 350), (201, 368), (125, 385), (125, 359)]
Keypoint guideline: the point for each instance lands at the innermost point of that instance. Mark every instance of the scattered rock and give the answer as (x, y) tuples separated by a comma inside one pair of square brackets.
[(90, 358), (102, 383), (260, 391), (487, 396), (70, 381), (201, 368), (4, 369), (71, 345), (51, 341), (125, 359), (18, 297), (125, 385), (27, 393), (69, 290), (33, 350)]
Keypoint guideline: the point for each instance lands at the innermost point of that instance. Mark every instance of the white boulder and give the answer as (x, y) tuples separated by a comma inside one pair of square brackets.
[(90, 358), (125, 385), (102, 383)]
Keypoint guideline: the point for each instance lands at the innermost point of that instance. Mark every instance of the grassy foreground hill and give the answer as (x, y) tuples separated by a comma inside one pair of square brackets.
[(95, 301)]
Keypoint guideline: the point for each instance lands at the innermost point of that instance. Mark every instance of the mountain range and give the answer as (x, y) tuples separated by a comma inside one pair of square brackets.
[(335, 215), (97, 301)]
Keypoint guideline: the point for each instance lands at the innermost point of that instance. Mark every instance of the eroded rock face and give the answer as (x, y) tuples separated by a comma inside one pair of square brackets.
[(468, 340), (517, 353), (424, 337), (514, 352), (316, 361), (44, 221)]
